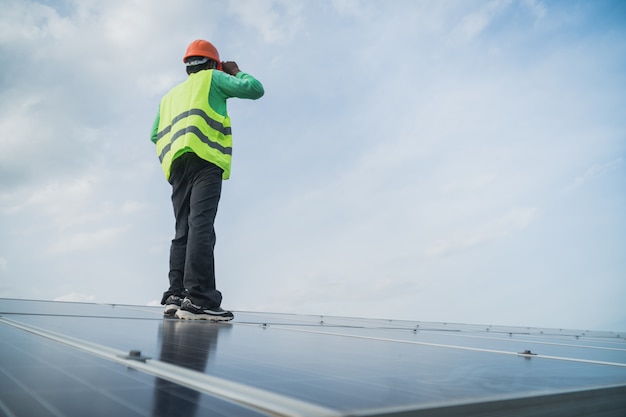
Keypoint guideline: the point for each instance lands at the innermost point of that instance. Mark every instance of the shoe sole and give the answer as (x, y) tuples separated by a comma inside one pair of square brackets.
[(188, 315), (170, 311)]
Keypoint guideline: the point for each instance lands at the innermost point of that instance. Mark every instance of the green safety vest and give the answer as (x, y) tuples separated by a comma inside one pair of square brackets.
[(187, 123)]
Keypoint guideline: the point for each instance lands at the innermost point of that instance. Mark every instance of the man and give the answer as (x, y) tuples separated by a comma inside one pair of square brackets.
[(193, 140)]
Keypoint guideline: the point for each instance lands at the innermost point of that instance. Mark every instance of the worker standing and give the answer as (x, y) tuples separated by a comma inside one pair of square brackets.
[(192, 133)]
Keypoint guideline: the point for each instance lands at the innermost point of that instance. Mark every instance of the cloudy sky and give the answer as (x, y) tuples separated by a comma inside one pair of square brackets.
[(458, 161)]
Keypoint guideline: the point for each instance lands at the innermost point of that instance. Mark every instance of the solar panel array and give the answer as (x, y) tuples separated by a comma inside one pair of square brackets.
[(77, 359)]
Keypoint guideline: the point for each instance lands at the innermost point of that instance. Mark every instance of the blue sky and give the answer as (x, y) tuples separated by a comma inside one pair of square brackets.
[(426, 160)]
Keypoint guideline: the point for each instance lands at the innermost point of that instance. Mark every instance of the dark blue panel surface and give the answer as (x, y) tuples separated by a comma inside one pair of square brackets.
[(42, 378), (343, 364)]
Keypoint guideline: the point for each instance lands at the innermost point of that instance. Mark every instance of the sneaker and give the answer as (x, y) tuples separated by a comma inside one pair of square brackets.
[(190, 311), (172, 304)]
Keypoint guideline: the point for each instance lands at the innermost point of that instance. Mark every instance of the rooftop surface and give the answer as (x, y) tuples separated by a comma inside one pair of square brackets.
[(77, 359)]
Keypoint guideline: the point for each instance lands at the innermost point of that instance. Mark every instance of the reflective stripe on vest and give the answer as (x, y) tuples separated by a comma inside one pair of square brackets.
[(188, 123)]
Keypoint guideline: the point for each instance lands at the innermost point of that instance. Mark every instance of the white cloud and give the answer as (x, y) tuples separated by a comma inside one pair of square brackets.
[(54, 196), (22, 22), (276, 21), (498, 228), (476, 21), (18, 111), (597, 171), (353, 8), (87, 241), (537, 8)]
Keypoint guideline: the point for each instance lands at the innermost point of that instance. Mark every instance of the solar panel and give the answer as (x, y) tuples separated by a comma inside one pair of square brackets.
[(77, 359)]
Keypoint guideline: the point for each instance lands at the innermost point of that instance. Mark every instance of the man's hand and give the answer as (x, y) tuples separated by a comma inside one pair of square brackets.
[(230, 67)]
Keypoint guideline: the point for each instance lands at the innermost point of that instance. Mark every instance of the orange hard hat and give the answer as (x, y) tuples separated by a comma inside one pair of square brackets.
[(200, 47)]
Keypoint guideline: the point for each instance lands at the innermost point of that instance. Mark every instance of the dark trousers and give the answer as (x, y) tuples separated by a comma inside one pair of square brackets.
[(196, 189)]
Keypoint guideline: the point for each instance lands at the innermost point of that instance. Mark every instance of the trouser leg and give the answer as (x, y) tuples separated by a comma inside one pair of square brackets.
[(199, 273), (181, 192)]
